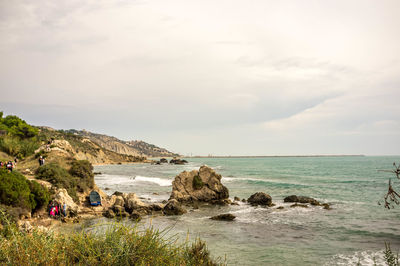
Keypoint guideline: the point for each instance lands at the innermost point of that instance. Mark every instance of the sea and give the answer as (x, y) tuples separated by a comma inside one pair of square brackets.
[(353, 232)]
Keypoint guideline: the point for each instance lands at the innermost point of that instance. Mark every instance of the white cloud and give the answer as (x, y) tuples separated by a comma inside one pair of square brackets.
[(293, 69)]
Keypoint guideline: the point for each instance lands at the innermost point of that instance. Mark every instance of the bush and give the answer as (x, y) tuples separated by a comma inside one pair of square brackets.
[(59, 177), (39, 194), (197, 182), (83, 170), (14, 190), (18, 127)]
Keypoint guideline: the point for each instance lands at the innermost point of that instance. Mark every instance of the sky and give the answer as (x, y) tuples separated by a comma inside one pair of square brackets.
[(232, 77)]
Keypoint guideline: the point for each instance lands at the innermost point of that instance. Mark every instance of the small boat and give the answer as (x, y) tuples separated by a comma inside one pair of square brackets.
[(94, 198)]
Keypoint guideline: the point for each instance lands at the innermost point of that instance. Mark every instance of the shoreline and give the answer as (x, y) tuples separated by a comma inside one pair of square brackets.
[(275, 156)]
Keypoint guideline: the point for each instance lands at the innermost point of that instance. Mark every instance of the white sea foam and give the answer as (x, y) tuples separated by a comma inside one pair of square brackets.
[(228, 179), (113, 179), (161, 182), (358, 258)]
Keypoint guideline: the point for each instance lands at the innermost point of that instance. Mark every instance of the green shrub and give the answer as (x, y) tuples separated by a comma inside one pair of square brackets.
[(197, 182), (59, 177), (18, 127), (14, 190), (39, 194), (83, 170)]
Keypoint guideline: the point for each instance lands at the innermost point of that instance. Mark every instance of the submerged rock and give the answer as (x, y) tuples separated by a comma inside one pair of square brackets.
[(173, 207), (224, 217), (301, 199), (202, 186), (327, 206), (299, 205), (260, 198)]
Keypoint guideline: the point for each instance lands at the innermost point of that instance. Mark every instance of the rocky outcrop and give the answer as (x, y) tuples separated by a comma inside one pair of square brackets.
[(126, 204), (224, 217), (178, 161), (301, 199), (260, 198), (62, 197), (173, 207), (203, 185)]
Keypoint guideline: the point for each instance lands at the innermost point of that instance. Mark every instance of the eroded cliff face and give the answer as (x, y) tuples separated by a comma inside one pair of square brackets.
[(134, 147), (85, 149)]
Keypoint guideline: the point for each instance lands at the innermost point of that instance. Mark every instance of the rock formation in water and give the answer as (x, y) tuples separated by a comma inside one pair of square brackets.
[(224, 217), (260, 198), (173, 207), (301, 199), (203, 185)]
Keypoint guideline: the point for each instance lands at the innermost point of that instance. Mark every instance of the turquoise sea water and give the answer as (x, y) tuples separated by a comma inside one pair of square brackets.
[(355, 230)]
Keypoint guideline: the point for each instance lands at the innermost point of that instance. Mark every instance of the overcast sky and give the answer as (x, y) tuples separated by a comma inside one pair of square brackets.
[(209, 77)]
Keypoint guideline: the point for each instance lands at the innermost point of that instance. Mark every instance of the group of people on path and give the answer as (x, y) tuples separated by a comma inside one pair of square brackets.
[(57, 209), (10, 165)]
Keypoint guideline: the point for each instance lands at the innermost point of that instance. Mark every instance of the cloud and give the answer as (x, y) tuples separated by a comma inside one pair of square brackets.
[(272, 75)]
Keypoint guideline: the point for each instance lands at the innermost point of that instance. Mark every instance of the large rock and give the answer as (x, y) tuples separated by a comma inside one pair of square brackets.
[(260, 198), (132, 202), (203, 185), (301, 199), (62, 197), (173, 207)]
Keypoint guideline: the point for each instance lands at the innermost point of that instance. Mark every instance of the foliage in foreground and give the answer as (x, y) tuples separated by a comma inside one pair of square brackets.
[(390, 258), (118, 245)]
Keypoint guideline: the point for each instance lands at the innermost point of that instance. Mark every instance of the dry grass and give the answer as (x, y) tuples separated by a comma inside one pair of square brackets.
[(117, 244)]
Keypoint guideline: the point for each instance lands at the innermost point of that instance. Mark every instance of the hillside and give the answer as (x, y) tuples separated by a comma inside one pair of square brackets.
[(71, 145), (134, 147)]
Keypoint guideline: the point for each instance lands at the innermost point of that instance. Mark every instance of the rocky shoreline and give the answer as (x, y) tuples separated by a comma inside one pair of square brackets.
[(190, 190)]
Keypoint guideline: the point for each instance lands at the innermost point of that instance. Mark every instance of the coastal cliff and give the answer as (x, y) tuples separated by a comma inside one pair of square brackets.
[(133, 147)]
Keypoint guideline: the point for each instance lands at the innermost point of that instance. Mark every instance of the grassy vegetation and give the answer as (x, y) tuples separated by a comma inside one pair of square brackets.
[(197, 182), (118, 245)]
